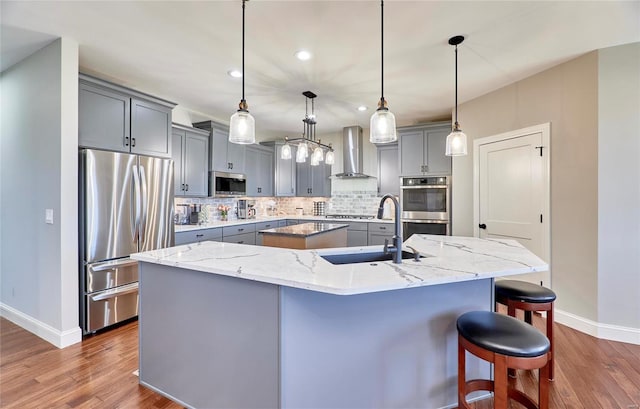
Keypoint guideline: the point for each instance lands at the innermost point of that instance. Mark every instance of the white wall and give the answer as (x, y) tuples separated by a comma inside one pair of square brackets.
[(619, 186), (39, 162)]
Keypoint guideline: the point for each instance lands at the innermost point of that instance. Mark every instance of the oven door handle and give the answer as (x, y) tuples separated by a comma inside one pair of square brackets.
[(425, 187), (430, 221), (116, 292)]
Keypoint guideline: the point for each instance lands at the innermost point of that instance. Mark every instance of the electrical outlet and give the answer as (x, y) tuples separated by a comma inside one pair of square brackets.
[(48, 216)]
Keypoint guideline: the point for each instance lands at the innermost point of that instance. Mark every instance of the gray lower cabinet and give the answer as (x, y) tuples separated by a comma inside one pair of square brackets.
[(190, 153), (225, 156), (194, 236), (378, 232), (313, 181), (265, 226), (388, 169), (422, 149), (259, 171), (285, 170), (241, 234), (357, 234), (119, 119)]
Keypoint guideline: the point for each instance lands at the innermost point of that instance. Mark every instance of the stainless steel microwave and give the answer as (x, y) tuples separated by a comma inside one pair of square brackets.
[(223, 184)]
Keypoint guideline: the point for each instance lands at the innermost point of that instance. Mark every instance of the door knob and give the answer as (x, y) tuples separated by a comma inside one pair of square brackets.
[(482, 226)]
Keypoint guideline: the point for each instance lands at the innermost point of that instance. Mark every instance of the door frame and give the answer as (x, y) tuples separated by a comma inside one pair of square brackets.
[(545, 130)]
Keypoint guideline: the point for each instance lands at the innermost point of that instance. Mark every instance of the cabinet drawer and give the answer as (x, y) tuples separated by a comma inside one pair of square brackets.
[(195, 236), (245, 238), (243, 228), (381, 228), (267, 225), (355, 226)]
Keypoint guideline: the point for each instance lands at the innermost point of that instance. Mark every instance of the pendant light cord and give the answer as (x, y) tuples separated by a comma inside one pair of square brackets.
[(243, 2), (456, 123), (382, 50)]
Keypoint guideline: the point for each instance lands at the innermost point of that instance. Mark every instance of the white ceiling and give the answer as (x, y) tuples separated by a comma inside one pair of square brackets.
[(182, 50)]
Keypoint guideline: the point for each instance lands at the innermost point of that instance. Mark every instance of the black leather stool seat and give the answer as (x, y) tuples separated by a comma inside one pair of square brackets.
[(523, 291), (502, 334)]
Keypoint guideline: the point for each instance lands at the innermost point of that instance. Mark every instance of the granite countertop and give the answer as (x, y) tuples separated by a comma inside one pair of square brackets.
[(446, 259), (305, 229), (237, 222)]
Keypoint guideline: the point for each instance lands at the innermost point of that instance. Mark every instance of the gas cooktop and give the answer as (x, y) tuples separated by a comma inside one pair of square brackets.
[(349, 216)]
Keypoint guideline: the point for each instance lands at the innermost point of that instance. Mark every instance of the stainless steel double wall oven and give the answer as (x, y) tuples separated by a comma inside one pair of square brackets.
[(426, 205)]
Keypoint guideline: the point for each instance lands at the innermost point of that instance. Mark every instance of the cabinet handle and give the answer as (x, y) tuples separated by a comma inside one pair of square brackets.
[(241, 242), (199, 235), (240, 229), (383, 228), (187, 187), (291, 190), (126, 141), (182, 186), (133, 142), (231, 164)]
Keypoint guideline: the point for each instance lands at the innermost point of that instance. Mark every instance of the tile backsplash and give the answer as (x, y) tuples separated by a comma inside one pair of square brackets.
[(348, 196)]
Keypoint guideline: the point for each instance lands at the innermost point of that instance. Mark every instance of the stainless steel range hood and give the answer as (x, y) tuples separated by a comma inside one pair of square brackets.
[(352, 153)]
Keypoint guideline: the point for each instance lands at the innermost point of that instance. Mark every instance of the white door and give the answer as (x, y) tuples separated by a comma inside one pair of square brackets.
[(513, 191)]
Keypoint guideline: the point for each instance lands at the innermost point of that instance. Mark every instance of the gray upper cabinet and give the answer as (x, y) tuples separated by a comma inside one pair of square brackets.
[(388, 170), (225, 156), (115, 118), (190, 153), (313, 181), (259, 170), (149, 124), (285, 170), (422, 150)]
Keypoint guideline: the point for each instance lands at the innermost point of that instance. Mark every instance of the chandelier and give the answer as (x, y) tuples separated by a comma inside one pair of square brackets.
[(307, 145)]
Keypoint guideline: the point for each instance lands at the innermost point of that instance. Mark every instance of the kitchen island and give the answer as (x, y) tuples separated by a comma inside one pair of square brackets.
[(225, 325), (306, 236)]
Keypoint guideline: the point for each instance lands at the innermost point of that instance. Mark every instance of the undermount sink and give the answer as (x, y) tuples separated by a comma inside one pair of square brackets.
[(369, 257)]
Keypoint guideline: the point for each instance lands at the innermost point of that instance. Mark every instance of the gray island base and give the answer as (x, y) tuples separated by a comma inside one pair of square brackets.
[(242, 338)]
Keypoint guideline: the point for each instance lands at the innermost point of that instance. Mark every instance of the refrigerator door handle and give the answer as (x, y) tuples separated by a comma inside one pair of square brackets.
[(145, 197), (136, 193), (117, 292)]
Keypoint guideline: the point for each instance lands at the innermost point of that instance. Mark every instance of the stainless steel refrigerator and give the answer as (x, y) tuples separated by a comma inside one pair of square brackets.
[(126, 207)]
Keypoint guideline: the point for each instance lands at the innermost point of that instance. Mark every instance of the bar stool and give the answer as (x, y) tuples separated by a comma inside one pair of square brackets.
[(507, 343), (520, 295)]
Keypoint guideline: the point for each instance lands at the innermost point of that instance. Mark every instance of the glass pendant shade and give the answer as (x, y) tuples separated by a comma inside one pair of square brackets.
[(302, 153), (330, 158), (242, 128), (285, 152), (382, 128), (319, 154), (456, 143), (315, 160)]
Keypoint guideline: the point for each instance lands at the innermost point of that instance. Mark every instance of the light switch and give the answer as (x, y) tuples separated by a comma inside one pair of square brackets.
[(48, 216)]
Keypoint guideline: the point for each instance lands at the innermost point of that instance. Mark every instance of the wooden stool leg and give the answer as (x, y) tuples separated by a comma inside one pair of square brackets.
[(543, 386), (528, 317), (501, 383), (511, 311), (550, 336), (462, 395)]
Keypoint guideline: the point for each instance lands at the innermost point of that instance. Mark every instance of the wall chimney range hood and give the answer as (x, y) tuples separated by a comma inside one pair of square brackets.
[(352, 153)]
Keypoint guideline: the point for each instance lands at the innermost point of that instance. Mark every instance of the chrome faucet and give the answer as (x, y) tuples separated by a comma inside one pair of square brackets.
[(397, 237)]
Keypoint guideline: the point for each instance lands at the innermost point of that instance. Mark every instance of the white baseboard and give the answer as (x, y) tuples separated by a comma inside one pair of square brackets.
[(60, 339), (598, 330)]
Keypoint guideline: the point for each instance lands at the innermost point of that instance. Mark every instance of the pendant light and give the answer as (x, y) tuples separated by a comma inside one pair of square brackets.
[(329, 159), (242, 127), (456, 140), (285, 151), (382, 128)]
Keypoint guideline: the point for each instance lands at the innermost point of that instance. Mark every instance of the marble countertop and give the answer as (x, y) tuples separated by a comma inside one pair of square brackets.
[(446, 259), (305, 229), (237, 222)]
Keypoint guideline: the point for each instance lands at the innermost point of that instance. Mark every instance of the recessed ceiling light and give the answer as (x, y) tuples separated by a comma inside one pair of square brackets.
[(362, 108), (235, 73), (303, 55)]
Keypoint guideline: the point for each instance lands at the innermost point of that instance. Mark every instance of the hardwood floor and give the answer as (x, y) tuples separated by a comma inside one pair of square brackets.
[(97, 373)]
